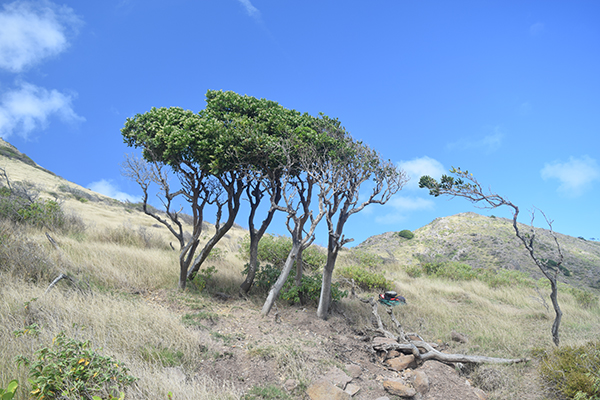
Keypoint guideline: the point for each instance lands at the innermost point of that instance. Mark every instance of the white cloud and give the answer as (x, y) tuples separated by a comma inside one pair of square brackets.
[(575, 176), (421, 166), (250, 9), (401, 206), (107, 188), (489, 143), (33, 31), (29, 107)]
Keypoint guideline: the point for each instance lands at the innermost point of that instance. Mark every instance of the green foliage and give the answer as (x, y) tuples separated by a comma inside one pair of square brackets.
[(574, 371), (406, 234), (270, 392), (584, 298), (274, 250), (9, 392), (308, 291), (366, 259), (365, 279), (203, 277), (165, 356), (457, 271), (71, 370)]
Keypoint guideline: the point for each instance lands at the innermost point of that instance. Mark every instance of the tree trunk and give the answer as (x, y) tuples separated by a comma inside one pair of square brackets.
[(556, 324), (252, 265), (278, 285), (325, 298)]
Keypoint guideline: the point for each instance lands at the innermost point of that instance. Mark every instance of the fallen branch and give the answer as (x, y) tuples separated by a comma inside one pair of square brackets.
[(420, 349)]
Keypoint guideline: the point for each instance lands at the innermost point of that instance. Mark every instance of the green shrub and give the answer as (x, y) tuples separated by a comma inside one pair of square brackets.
[(274, 250), (573, 371), (308, 291), (203, 276), (71, 370), (584, 298), (9, 392), (365, 259), (365, 279), (463, 272), (406, 234)]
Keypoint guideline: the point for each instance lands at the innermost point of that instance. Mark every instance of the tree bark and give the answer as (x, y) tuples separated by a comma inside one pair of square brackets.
[(278, 285)]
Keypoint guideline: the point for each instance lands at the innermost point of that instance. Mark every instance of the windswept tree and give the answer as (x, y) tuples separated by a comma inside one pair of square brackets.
[(259, 127), (195, 148), (340, 174), (463, 184)]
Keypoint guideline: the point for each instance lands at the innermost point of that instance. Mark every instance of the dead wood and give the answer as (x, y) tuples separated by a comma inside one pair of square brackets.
[(420, 349)]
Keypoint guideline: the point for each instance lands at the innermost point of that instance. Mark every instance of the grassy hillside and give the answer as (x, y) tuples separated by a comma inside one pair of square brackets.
[(122, 297), (489, 242)]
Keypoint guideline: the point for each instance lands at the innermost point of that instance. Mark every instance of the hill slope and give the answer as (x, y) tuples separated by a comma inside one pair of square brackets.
[(488, 242)]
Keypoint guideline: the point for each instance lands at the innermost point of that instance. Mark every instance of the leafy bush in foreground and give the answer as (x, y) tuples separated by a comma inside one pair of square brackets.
[(71, 370), (573, 371)]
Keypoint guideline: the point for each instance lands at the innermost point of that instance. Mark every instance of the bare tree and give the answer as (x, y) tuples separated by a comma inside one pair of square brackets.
[(466, 186), (197, 189)]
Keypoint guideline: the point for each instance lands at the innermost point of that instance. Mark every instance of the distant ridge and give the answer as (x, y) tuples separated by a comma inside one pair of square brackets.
[(488, 242)]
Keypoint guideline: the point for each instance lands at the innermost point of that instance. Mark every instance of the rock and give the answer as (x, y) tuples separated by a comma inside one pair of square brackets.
[(402, 362), (419, 380), (337, 377), (398, 387), (352, 389), (383, 398), (354, 370), (480, 393), (393, 354), (458, 337), (325, 390), (290, 385), (379, 341)]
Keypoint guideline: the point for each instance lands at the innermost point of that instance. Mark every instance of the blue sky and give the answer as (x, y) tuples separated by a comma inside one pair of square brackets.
[(509, 90)]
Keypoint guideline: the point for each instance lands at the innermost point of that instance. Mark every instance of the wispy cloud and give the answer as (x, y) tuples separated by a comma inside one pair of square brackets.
[(108, 188), (399, 208), (29, 107), (537, 29), (418, 167), (250, 9), (575, 176), (488, 143), (33, 31)]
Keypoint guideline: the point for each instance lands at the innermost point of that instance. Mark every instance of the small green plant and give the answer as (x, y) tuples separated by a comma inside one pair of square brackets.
[(309, 289), (69, 369), (406, 234), (270, 392), (9, 392), (166, 356), (573, 371), (365, 279), (584, 298), (203, 277), (275, 249)]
